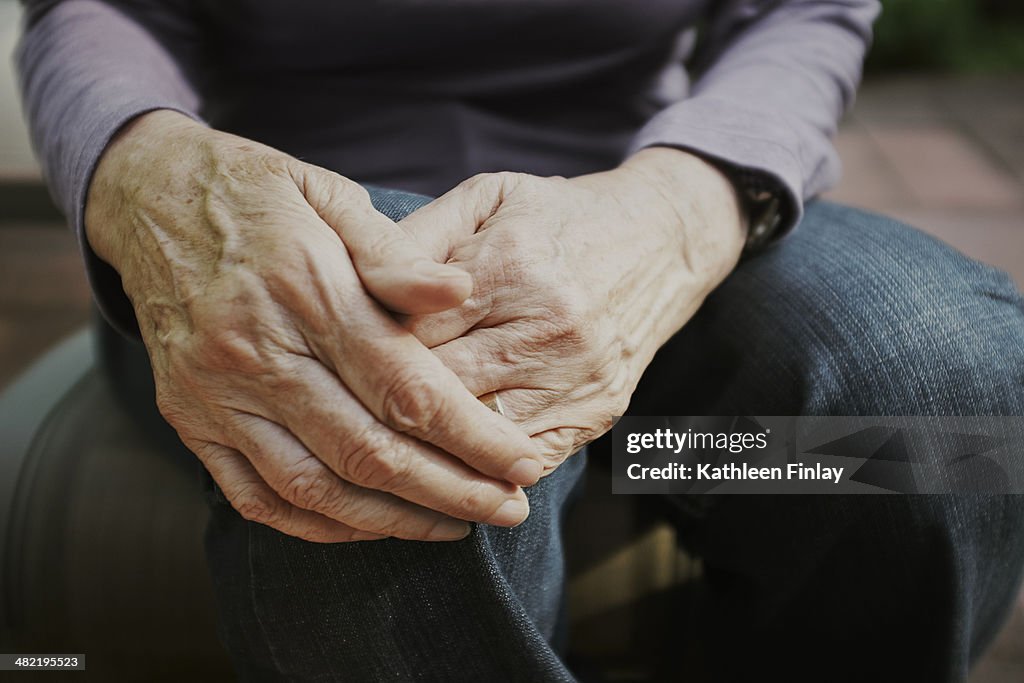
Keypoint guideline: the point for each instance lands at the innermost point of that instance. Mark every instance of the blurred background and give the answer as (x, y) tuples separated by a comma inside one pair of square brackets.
[(936, 139)]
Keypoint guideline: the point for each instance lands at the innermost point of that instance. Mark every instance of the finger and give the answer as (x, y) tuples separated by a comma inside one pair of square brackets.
[(411, 391), (434, 329), (559, 444), (483, 361), (395, 270), (379, 458), (566, 419), (447, 221), (445, 228), (526, 385), (303, 480), (257, 502)]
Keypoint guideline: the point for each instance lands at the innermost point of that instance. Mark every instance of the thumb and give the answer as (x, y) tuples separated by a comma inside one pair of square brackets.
[(446, 222), (396, 271)]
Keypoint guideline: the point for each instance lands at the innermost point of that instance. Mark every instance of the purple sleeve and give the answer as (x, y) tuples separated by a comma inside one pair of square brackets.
[(85, 70), (780, 75)]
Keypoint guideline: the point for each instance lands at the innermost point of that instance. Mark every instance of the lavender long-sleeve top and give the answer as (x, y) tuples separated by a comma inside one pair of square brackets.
[(420, 95)]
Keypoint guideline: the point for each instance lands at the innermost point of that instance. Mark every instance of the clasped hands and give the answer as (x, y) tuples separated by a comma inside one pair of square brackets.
[(324, 361)]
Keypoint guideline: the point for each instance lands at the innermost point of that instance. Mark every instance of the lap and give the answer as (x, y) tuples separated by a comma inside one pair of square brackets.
[(393, 609), (854, 314)]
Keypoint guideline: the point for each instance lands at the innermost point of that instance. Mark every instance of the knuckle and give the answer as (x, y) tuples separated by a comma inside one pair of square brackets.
[(210, 454), (495, 185), (508, 179), (482, 180), (246, 160), (274, 163), (258, 507), (556, 445), (277, 381), (411, 404), (384, 522), (344, 189), (377, 462), (379, 248), (341, 190), (308, 490), (476, 502), (563, 439)]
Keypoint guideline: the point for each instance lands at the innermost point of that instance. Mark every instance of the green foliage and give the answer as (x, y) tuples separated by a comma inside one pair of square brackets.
[(949, 35)]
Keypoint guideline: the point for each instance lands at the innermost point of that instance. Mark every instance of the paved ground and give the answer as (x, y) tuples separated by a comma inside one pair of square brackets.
[(944, 154)]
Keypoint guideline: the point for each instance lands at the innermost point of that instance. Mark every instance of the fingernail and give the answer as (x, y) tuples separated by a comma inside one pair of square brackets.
[(526, 472), (511, 513), (449, 530)]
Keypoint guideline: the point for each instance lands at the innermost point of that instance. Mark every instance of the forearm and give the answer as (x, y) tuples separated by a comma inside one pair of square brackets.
[(778, 79), (85, 70)]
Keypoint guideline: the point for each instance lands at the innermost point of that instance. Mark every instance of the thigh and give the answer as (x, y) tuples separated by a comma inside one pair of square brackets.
[(854, 314), (484, 608)]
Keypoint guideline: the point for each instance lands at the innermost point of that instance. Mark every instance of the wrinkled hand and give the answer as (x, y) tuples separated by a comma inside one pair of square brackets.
[(577, 283), (314, 411)]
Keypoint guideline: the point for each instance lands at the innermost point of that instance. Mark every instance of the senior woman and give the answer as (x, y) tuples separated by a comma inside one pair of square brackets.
[(323, 361)]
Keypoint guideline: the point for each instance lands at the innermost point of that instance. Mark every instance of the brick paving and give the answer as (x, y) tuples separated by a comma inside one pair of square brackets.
[(945, 155)]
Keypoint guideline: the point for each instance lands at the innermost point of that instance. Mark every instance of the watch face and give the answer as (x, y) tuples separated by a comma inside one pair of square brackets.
[(765, 218)]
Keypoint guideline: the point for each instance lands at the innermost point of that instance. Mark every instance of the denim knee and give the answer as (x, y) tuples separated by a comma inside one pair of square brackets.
[(853, 314), (873, 317), (920, 582), (972, 547), (958, 558), (395, 204)]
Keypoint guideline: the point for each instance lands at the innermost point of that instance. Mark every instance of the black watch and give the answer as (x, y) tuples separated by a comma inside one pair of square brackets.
[(763, 200)]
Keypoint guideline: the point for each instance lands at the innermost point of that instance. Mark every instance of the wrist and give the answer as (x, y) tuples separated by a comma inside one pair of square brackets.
[(702, 200), (149, 151)]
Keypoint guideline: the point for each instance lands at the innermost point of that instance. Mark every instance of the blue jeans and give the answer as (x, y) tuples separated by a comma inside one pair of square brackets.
[(854, 314)]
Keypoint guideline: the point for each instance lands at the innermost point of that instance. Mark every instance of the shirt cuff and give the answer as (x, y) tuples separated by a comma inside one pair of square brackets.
[(750, 145)]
